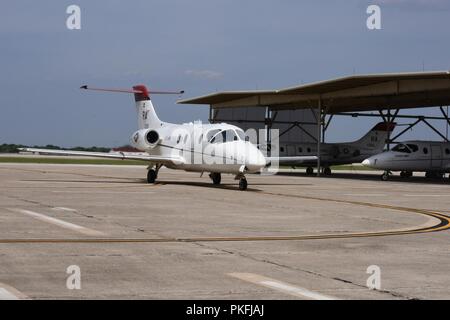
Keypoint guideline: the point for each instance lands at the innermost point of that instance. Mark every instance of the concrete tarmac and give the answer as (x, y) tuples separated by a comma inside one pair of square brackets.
[(286, 237)]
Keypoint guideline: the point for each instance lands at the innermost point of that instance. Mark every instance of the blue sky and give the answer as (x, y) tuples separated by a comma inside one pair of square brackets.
[(200, 46)]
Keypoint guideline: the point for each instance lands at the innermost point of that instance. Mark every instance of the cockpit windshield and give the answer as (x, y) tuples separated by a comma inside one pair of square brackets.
[(401, 148), (413, 147), (210, 135), (241, 134), (224, 136)]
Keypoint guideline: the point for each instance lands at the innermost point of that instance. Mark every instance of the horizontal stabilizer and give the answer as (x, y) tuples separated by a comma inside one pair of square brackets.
[(139, 89)]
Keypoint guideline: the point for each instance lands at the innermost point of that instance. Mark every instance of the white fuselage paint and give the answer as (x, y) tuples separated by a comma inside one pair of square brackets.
[(417, 156), (192, 143)]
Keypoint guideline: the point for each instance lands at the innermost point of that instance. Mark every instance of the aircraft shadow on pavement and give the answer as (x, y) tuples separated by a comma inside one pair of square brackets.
[(370, 177)]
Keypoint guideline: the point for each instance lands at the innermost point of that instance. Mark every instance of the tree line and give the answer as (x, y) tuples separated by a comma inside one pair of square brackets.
[(14, 148)]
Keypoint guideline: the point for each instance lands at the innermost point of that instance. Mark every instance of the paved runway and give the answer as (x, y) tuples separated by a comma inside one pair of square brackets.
[(287, 237)]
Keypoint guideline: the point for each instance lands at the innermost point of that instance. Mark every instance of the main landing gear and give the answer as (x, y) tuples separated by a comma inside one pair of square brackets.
[(215, 177), (152, 174), (385, 176), (406, 174), (326, 171), (434, 175)]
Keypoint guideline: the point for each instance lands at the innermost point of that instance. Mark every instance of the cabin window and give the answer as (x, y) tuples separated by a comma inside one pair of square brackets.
[(425, 150), (309, 150), (281, 149), (447, 151), (300, 149), (178, 139), (413, 147), (401, 148)]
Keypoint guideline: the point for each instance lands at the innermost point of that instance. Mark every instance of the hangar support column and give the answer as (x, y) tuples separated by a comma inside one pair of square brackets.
[(319, 132)]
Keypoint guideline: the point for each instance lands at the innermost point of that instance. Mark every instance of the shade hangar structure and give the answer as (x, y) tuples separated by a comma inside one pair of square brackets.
[(309, 108)]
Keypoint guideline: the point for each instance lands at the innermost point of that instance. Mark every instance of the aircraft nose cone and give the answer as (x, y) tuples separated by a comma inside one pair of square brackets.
[(261, 160), (256, 160)]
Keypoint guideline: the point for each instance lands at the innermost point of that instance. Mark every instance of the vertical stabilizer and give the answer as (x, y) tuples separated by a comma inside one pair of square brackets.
[(377, 137), (147, 117)]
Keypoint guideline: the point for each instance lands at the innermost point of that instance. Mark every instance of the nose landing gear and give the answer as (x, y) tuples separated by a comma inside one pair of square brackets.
[(242, 181), (243, 184)]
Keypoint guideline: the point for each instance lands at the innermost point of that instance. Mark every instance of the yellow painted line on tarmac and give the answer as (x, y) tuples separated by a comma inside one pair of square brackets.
[(443, 223)]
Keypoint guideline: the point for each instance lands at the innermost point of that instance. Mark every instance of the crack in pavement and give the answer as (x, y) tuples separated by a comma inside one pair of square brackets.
[(317, 274)]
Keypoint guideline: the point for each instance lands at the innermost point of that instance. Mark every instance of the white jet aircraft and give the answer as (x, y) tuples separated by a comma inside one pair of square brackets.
[(215, 148), (371, 143), (431, 157)]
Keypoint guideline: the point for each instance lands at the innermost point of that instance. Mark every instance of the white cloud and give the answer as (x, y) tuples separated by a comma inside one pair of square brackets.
[(205, 74)]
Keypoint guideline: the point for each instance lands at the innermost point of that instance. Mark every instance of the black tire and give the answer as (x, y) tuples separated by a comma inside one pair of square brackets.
[(151, 176), (243, 184), (385, 176), (215, 177), (403, 174), (309, 171), (327, 171)]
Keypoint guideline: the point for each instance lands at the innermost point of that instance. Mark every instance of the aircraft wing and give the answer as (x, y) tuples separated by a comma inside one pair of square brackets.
[(296, 159), (118, 155)]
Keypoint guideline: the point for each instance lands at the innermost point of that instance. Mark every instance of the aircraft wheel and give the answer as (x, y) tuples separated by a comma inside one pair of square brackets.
[(151, 176), (309, 171), (327, 171), (405, 174), (243, 184), (385, 176), (433, 175), (215, 177)]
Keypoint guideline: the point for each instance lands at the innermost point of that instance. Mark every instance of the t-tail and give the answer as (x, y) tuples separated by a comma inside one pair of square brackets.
[(377, 137), (147, 117)]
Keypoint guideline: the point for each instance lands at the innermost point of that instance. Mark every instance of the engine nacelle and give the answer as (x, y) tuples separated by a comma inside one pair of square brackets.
[(145, 139)]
